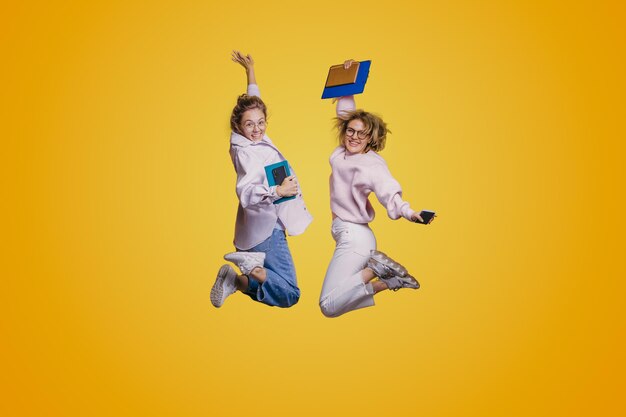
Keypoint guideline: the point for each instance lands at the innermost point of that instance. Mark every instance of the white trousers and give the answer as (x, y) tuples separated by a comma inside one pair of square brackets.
[(343, 289)]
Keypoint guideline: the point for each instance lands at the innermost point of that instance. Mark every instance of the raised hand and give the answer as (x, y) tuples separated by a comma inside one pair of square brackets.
[(245, 61), (348, 63)]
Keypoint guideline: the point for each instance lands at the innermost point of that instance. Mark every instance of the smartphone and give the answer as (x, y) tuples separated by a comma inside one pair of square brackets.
[(279, 174), (427, 216)]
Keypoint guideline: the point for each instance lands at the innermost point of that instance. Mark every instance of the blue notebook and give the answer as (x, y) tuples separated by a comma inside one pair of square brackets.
[(276, 174), (356, 87)]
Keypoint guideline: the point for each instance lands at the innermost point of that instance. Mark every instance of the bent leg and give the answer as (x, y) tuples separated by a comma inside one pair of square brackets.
[(346, 284), (280, 287), (351, 294)]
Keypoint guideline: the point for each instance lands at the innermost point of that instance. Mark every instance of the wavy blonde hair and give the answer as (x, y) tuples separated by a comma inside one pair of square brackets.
[(375, 128)]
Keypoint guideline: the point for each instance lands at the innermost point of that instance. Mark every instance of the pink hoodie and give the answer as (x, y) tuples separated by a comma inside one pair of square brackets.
[(355, 176)]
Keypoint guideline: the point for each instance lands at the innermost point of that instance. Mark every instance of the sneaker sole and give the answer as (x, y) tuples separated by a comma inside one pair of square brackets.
[(412, 280), (218, 288), (405, 282)]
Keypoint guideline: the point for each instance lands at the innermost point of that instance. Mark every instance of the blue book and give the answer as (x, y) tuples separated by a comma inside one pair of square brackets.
[(351, 88), (276, 174)]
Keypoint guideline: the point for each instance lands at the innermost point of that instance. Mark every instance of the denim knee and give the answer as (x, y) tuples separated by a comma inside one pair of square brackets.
[(291, 298)]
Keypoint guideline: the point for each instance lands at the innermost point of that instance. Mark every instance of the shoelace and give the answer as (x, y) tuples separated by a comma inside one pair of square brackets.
[(381, 270), (393, 283)]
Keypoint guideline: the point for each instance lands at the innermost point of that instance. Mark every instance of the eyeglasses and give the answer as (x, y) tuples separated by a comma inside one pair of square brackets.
[(361, 134), (250, 125)]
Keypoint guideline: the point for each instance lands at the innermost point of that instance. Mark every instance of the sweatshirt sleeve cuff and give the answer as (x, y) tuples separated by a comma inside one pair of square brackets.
[(253, 90), (273, 194), (408, 213), (345, 105)]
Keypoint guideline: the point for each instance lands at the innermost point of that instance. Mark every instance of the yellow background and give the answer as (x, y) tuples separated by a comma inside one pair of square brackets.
[(117, 196)]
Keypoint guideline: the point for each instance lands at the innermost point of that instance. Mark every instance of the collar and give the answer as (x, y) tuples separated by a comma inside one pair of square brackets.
[(354, 156), (239, 140)]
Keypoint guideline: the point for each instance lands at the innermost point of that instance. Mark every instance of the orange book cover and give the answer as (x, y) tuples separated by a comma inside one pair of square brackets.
[(338, 75)]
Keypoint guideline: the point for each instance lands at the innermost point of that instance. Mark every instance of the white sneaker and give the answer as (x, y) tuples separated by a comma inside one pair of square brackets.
[(224, 285), (246, 261)]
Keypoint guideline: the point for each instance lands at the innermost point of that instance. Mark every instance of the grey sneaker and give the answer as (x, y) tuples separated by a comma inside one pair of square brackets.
[(224, 285), (390, 264), (246, 261), (391, 272)]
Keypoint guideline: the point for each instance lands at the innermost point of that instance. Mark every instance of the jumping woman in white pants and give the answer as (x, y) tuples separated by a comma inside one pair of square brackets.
[(357, 270)]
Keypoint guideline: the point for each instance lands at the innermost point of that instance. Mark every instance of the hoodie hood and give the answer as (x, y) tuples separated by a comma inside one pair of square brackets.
[(239, 140)]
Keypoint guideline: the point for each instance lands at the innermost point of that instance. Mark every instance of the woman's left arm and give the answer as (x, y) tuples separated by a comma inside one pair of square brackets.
[(389, 193), (251, 188)]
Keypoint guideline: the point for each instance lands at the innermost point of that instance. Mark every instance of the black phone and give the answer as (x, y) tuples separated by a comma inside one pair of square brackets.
[(279, 174), (427, 216)]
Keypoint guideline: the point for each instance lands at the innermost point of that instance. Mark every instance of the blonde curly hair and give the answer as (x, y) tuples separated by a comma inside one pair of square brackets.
[(375, 128)]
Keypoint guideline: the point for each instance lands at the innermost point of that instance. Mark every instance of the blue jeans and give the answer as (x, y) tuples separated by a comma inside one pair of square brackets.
[(280, 287)]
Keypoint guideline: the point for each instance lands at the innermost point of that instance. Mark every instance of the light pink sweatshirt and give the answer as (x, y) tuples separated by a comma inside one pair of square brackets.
[(355, 176)]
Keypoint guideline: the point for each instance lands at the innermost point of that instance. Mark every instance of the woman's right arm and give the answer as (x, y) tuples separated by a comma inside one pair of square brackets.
[(345, 104), (247, 62)]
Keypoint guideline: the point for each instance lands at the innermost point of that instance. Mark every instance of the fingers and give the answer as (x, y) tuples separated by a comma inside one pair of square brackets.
[(288, 191), (418, 218), (245, 60), (289, 187), (348, 63)]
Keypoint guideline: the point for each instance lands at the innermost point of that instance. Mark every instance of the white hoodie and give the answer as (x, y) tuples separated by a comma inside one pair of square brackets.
[(257, 215)]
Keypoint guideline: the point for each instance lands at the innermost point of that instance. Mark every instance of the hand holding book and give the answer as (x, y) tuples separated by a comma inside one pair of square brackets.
[(346, 79), (279, 175), (288, 188)]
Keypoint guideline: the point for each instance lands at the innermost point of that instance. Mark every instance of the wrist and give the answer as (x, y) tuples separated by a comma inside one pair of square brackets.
[(278, 193)]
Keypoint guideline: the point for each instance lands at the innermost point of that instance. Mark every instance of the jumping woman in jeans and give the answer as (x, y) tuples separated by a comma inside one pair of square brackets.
[(358, 170), (263, 257)]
